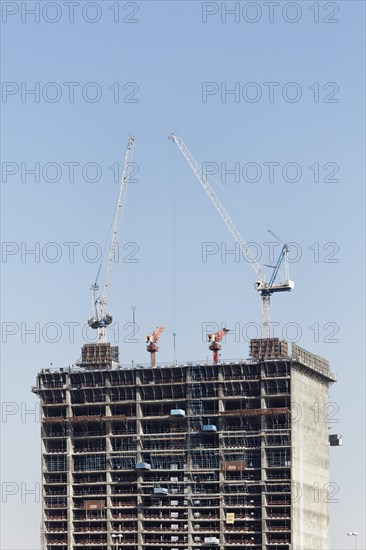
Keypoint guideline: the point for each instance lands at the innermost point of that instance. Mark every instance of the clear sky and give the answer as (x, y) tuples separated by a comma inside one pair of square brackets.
[(292, 129)]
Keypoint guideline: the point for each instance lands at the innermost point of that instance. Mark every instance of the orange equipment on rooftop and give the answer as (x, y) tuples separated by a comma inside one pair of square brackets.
[(214, 345), (151, 340)]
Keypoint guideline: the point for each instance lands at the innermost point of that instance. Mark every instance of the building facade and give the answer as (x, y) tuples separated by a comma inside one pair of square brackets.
[(188, 456)]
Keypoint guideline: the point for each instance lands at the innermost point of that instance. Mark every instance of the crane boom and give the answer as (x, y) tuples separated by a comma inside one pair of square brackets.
[(102, 319), (117, 222), (219, 207), (262, 286)]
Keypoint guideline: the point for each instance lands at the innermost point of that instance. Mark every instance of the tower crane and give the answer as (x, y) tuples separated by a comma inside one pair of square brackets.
[(101, 319), (215, 345), (151, 340), (261, 285)]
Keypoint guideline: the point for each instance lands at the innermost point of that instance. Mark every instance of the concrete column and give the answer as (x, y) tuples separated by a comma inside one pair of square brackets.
[(69, 464)]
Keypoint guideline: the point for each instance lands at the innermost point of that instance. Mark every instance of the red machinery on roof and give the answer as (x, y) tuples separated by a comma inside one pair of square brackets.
[(214, 345), (151, 340)]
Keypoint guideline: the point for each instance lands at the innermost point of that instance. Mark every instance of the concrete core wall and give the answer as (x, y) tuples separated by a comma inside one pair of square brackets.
[(310, 461)]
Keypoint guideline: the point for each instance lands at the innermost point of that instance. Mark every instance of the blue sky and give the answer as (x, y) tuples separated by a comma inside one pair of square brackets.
[(173, 73)]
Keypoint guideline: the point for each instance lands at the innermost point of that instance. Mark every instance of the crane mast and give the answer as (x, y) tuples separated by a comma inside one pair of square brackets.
[(265, 288), (101, 319)]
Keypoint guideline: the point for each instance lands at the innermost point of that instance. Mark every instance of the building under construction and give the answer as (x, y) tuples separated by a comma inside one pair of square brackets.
[(186, 456)]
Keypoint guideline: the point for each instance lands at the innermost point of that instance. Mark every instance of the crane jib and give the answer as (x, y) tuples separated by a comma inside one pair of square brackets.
[(103, 319), (265, 288)]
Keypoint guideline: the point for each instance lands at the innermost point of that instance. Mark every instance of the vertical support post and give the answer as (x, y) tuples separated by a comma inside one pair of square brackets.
[(109, 449), (265, 314), (263, 430), (69, 463), (174, 348), (139, 475)]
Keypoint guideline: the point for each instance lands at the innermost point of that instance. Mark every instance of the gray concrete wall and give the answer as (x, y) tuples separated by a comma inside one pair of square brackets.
[(310, 462)]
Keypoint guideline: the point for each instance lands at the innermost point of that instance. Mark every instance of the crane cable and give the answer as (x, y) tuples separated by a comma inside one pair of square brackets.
[(133, 241), (174, 248), (253, 216)]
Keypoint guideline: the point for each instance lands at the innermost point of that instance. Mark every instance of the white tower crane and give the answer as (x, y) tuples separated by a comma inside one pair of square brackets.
[(101, 319), (265, 288)]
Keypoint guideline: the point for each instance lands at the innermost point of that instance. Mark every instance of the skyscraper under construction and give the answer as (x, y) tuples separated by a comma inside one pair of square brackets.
[(186, 456)]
